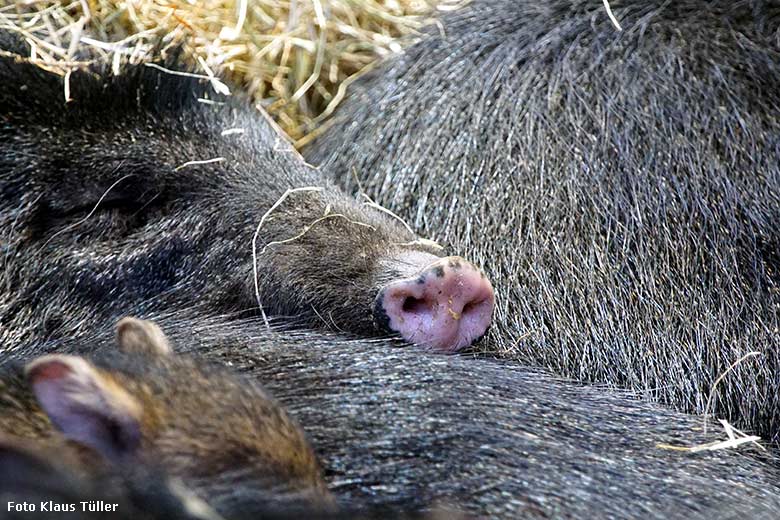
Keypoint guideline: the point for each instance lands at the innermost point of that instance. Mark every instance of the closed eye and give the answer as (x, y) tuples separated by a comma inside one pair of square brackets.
[(116, 213)]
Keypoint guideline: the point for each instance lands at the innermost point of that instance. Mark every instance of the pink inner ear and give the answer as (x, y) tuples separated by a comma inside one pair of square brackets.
[(47, 371), (69, 392)]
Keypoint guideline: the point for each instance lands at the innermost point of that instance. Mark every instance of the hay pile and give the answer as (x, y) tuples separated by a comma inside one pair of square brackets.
[(296, 57)]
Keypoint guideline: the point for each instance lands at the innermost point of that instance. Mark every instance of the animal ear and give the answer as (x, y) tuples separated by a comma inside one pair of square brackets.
[(86, 406), (143, 337)]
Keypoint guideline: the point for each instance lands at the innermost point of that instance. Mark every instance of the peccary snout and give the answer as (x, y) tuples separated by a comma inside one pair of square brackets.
[(446, 305)]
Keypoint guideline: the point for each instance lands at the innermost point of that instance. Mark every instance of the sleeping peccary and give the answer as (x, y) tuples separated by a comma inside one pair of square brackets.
[(105, 413), (194, 196), (621, 188)]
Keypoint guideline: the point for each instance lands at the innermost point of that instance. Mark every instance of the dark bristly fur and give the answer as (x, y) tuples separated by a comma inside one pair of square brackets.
[(622, 189), (393, 427), (408, 429), (103, 181)]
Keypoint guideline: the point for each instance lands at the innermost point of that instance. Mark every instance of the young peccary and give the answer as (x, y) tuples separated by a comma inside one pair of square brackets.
[(222, 436), (625, 185), (399, 428), (148, 186)]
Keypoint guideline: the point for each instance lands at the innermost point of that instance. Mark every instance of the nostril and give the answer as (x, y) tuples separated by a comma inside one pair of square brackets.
[(469, 307), (414, 305), (473, 306)]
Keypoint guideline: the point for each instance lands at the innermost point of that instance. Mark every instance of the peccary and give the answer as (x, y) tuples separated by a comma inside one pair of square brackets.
[(621, 188), (193, 195), (391, 426), (147, 407), (399, 428)]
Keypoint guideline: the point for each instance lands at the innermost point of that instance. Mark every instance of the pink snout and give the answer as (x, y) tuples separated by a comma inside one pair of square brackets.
[(447, 306)]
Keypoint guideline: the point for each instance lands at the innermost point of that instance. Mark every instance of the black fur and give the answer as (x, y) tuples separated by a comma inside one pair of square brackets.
[(622, 189), (97, 202)]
